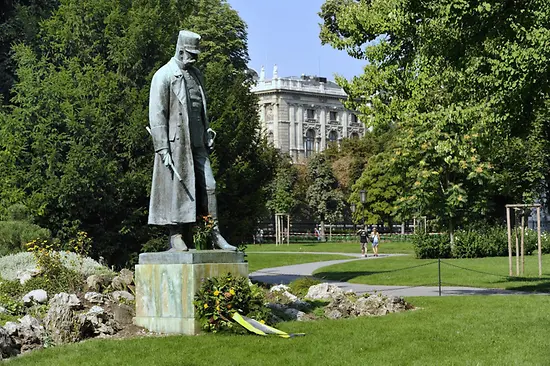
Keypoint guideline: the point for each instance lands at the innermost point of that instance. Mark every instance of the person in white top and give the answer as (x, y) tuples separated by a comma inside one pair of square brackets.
[(375, 236)]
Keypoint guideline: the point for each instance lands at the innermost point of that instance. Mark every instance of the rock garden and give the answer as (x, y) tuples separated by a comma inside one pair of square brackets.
[(53, 298)]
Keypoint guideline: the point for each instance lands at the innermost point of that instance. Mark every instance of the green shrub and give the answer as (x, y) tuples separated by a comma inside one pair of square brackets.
[(64, 280), (18, 212), (219, 297), (428, 246), (13, 307), (4, 318), (54, 276), (496, 241), (12, 264), (12, 289), (15, 234), (530, 241), (469, 244), (300, 286), (545, 242), (492, 241), (157, 244)]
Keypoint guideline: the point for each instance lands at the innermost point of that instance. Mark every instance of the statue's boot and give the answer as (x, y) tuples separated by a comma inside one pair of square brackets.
[(217, 239), (176, 241)]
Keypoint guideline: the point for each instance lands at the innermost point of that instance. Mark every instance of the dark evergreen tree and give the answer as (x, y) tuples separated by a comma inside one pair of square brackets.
[(74, 147)]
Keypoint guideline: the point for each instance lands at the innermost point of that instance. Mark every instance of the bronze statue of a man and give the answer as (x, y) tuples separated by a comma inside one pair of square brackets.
[(183, 184)]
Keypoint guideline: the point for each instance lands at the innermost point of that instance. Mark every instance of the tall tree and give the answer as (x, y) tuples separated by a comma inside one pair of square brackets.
[(348, 159), (283, 188), (243, 162), (19, 22), (74, 146), (383, 185), (466, 82), (324, 197)]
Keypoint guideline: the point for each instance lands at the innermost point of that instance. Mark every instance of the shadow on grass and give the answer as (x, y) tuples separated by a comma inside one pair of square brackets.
[(346, 276), (540, 284)]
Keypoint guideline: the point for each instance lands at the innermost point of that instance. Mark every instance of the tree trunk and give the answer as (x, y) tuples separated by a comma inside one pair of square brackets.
[(323, 237), (451, 232)]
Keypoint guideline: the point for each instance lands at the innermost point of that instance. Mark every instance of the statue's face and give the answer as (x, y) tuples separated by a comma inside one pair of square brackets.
[(187, 57)]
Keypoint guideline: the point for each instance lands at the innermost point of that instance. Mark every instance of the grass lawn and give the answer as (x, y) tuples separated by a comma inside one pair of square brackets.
[(258, 261), (466, 330), (409, 271), (384, 247)]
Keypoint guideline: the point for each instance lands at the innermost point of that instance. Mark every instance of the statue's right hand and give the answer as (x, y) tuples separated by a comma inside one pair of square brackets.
[(166, 157)]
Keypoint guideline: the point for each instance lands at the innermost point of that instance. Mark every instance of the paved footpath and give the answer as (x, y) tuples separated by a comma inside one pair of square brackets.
[(286, 274)]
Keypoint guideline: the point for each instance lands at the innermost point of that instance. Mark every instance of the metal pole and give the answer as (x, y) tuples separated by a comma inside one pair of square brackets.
[(522, 243), (517, 246), (277, 230), (509, 224), (287, 229), (439, 273), (540, 248)]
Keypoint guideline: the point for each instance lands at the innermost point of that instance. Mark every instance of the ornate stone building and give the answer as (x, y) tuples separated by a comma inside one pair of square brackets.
[(302, 115)]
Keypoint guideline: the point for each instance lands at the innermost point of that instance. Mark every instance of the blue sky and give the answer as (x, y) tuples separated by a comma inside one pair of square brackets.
[(286, 33)]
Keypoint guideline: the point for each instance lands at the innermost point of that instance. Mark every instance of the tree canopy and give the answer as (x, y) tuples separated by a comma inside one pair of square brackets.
[(323, 195), (466, 85), (19, 22), (74, 147)]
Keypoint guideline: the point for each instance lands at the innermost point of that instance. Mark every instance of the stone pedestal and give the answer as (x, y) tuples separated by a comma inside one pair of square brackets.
[(166, 284)]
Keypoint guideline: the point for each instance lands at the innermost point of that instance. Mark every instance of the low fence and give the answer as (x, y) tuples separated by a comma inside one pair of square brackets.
[(301, 237)]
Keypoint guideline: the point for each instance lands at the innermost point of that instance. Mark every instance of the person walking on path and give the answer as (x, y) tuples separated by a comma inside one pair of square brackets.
[(317, 233), (363, 239), (375, 240)]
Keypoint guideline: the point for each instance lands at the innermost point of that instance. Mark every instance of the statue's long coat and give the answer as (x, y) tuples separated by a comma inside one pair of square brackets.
[(172, 202)]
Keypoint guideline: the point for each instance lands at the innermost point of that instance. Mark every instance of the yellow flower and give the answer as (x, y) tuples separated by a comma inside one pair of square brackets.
[(218, 308), (216, 293), (261, 321), (206, 306), (232, 292)]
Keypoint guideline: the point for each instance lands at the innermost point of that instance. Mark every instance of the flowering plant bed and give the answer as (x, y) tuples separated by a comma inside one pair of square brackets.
[(219, 297)]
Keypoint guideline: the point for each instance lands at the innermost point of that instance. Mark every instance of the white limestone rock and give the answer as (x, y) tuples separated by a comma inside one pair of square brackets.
[(280, 287), (122, 295), (94, 297), (35, 296), (324, 291)]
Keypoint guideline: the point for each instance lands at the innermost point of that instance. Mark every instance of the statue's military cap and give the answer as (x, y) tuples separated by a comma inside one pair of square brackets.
[(189, 41)]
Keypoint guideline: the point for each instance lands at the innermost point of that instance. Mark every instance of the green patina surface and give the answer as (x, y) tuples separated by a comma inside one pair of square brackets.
[(165, 292)]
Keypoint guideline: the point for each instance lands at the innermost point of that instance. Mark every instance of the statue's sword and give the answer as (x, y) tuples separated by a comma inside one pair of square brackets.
[(171, 165)]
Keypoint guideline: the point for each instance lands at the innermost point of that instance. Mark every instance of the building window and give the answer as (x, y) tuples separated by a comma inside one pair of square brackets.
[(270, 138), (310, 142), (333, 116), (310, 114), (353, 118), (354, 135), (332, 136)]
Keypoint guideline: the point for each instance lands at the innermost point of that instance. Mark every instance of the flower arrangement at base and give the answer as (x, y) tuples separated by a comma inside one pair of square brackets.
[(219, 297), (202, 232)]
